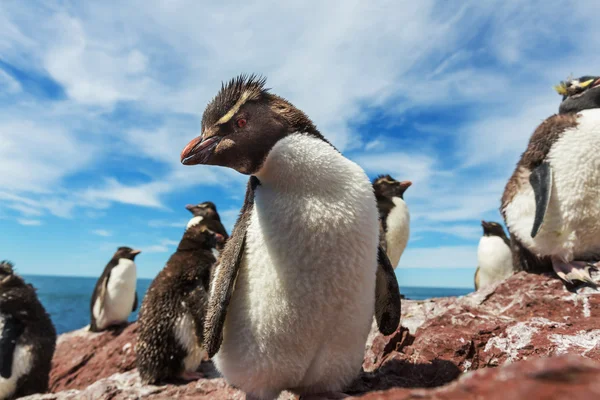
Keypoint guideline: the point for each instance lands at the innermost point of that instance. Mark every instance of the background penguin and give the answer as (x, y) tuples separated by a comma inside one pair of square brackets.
[(27, 337), (494, 256), (208, 211), (303, 254), (393, 215), (171, 319), (115, 295), (550, 203), (579, 94)]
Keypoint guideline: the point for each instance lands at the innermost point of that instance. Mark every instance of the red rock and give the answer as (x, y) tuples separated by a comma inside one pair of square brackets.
[(83, 357), (512, 325), (557, 378), (527, 315)]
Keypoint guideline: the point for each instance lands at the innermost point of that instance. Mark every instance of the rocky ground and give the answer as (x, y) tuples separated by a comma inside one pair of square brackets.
[(526, 338)]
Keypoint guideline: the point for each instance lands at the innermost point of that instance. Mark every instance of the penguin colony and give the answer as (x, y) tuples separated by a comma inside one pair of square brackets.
[(313, 250)]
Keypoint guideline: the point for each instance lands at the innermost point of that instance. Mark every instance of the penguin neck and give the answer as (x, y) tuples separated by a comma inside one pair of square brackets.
[(192, 245), (298, 163)]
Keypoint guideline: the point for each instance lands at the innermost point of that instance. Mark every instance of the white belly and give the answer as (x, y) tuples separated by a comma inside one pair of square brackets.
[(185, 331), (304, 297), (494, 259), (21, 365), (120, 295), (398, 230), (571, 227)]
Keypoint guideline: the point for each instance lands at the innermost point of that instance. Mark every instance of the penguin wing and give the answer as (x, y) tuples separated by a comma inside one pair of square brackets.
[(98, 297), (11, 330), (135, 302), (387, 295), (476, 279), (225, 274), (541, 182)]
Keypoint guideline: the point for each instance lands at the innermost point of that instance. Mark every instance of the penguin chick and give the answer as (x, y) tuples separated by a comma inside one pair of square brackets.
[(393, 215), (115, 295), (494, 257), (303, 254), (550, 203), (211, 218), (27, 337), (171, 319), (579, 94)]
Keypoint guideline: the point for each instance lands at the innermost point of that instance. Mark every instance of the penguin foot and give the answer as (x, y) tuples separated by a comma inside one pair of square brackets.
[(192, 376), (575, 271)]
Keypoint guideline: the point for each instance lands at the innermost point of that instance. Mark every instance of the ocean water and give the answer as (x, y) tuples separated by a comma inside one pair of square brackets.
[(67, 299)]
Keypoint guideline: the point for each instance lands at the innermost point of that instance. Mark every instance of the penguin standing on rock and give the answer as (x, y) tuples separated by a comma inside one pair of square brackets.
[(171, 319), (494, 257), (393, 215), (550, 204), (293, 294), (27, 338), (115, 295), (208, 211)]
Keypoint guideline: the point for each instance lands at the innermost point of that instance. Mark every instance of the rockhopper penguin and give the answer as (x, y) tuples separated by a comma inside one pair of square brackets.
[(171, 319), (550, 204), (294, 292), (393, 215), (494, 257), (115, 295), (208, 211), (27, 337)]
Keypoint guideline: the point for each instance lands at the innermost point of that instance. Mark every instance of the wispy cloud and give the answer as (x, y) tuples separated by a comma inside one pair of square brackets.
[(29, 222), (163, 246), (439, 257), (102, 232), (95, 105)]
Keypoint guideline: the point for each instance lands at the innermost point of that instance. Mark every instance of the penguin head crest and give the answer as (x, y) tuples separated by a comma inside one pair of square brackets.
[(241, 125), (386, 186)]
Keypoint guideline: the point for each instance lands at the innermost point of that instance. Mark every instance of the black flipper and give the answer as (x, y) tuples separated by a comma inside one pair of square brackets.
[(135, 302), (226, 271), (387, 295), (541, 182), (12, 329)]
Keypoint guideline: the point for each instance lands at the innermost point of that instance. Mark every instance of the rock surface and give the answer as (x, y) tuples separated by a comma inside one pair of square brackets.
[(507, 332), (83, 357)]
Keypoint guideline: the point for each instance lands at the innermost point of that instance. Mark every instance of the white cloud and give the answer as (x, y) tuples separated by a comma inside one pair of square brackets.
[(167, 224), (163, 246), (345, 63), (439, 257), (102, 232), (8, 84), (29, 222)]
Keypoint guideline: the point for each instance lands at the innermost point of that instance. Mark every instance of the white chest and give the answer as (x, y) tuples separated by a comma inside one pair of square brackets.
[(120, 295), (304, 296), (21, 365), (570, 227), (494, 259), (398, 230), (185, 331)]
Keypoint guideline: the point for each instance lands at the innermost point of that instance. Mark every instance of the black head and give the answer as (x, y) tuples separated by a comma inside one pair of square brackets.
[(8, 278), (388, 187), (492, 229), (200, 235), (579, 94), (126, 252), (206, 210), (242, 124)]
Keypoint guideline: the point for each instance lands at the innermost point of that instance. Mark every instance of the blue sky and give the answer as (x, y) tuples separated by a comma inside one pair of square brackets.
[(98, 99)]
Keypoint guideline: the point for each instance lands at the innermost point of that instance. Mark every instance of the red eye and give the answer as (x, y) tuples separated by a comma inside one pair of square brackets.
[(242, 122)]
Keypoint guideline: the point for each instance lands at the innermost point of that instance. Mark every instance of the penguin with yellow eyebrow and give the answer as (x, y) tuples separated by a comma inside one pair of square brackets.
[(550, 204), (579, 94)]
